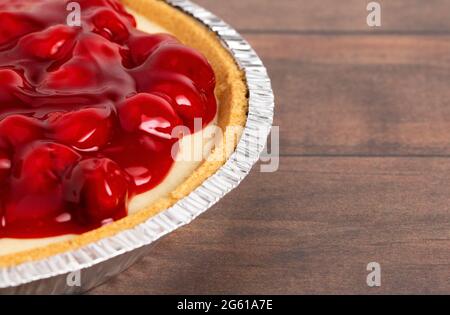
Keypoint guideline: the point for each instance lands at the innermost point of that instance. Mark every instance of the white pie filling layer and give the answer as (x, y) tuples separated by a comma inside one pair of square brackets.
[(180, 171)]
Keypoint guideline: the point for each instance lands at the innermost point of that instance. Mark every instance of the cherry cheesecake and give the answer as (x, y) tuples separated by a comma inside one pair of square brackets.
[(99, 99)]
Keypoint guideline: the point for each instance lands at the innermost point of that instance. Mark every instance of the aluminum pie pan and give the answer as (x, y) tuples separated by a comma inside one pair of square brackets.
[(98, 261)]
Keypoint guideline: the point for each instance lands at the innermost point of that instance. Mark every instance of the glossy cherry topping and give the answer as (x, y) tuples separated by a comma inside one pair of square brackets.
[(87, 113)]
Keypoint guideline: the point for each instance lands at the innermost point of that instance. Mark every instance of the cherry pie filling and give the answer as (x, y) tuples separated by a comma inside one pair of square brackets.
[(87, 113)]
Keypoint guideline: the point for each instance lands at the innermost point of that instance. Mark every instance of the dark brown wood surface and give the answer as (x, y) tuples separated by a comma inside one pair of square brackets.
[(365, 161)]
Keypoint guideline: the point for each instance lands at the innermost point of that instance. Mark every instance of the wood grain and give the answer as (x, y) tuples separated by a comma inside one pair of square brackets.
[(365, 143), (402, 16), (346, 212), (360, 95)]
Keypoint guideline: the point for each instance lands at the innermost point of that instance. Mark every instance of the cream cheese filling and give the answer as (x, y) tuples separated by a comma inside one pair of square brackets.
[(180, 171)]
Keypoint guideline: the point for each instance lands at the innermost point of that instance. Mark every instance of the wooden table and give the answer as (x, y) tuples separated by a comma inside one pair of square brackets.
[(365, 161)]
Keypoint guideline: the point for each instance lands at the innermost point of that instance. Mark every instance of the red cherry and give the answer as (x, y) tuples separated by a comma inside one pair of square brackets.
[(149, 113), (143, 46), (189, 101), (98, 49), (183, 60), (17, 130), (98, 189), (87, 129), (43, 162), (108, 24), (10, 84), (78, 74), (14, 25), (5, 166), (52, 43), (36, 192), (114, 4), (120, 8)]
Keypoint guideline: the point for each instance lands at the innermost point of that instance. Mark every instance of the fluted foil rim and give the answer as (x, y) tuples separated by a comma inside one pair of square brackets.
[(249, 148)]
